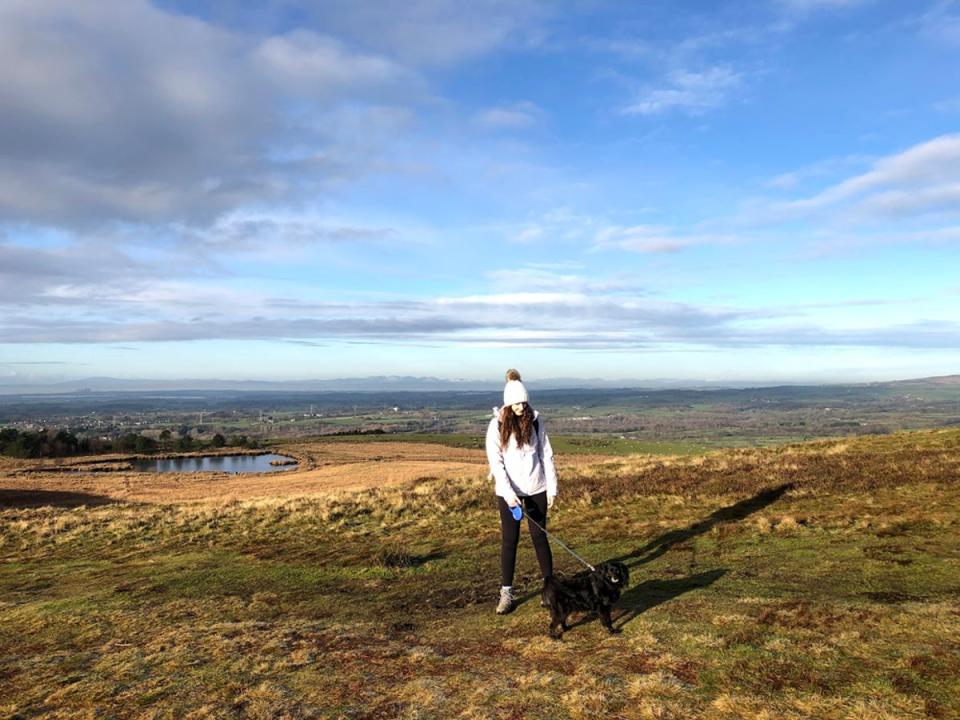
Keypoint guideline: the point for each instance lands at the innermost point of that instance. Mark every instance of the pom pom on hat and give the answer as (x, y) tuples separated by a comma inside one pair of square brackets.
[(514, 392)]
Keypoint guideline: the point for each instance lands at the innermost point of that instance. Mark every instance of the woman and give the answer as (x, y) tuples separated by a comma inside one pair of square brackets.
[(521, 463)]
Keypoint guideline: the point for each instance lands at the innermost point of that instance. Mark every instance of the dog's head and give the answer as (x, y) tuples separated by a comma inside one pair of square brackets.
[(615, 574)]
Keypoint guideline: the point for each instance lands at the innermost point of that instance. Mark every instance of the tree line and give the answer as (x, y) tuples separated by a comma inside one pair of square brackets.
[(63, 443)]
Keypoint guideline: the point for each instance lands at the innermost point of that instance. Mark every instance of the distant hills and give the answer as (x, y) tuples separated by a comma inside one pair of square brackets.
[(404, 383)]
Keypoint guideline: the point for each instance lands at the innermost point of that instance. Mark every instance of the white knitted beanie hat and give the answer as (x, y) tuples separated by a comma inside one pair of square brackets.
[(514, 392)]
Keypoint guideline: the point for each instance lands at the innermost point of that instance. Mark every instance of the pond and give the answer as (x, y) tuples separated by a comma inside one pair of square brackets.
[(215, 463)]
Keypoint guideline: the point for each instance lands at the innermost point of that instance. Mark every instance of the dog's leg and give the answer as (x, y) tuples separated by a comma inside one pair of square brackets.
[(556, 622), (607, 620)]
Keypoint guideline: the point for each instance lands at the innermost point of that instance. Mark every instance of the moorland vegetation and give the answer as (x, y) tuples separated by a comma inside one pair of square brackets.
[(815, 580)]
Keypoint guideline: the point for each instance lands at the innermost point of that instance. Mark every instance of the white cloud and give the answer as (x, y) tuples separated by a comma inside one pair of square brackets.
[(515, 298), (121, 111), (306, 64), (29, 277), (511, 117), (905, 203), (816, 171), (653, 239), (269, 235), (429, 32), (840, 243), (690, 92), (529, 234), (941, 22), (533, 307), (922, 179), (804, 6), (559, 226), (948, 105), (534, 278), (550, 320)]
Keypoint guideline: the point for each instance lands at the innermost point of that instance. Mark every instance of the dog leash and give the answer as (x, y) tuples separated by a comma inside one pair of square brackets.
[(559, 542)]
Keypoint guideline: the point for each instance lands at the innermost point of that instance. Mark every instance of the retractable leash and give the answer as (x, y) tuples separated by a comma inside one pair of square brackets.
[(518, 512)]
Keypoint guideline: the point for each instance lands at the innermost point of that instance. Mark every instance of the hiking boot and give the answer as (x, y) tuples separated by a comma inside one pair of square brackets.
[(506, 604)]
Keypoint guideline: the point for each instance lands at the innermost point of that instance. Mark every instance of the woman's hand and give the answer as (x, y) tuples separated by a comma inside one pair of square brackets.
[(550, 499)]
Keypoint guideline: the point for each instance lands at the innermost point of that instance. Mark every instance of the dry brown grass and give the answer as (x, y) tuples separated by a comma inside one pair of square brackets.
[(834, 599), (858, 464), (325, 467)]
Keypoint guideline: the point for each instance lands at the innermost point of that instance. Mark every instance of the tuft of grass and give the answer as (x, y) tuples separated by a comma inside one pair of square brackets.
[(393, 556)]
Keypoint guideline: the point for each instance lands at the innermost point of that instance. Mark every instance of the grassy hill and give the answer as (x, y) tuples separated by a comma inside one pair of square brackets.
[(819, 580)]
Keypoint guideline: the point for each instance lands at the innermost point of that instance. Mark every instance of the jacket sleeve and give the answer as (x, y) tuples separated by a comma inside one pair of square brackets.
[(549, 469), (497, 468)]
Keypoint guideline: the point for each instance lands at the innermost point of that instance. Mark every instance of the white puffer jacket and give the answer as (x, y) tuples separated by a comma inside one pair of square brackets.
[(526, 470)]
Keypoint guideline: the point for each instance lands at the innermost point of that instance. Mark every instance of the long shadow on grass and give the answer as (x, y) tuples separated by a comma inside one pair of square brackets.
[(16, 498), (732, 513), (637, 600), (658, 546), (650, 593)]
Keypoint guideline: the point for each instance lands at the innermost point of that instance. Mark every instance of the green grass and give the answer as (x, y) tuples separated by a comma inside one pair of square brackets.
[(562, 444), (812, 581)]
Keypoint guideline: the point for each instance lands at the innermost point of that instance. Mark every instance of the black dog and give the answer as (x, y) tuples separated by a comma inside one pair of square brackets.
[(591, 590)]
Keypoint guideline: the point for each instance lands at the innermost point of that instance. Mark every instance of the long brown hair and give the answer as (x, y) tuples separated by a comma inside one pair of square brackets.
[(512, 424)]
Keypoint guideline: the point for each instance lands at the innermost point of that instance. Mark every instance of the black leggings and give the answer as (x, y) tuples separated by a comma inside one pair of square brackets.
[(535, 506)]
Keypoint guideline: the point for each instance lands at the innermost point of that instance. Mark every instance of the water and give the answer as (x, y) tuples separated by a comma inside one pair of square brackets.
[(214, 463)]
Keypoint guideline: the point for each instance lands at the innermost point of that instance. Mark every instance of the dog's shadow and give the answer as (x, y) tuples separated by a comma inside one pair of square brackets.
[(650, 593), (732, 513)]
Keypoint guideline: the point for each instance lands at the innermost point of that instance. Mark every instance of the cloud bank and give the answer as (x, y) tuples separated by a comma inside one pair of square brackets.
[(118, 111)]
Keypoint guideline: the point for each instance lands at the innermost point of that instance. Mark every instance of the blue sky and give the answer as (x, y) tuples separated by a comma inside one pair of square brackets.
[(696, 190)]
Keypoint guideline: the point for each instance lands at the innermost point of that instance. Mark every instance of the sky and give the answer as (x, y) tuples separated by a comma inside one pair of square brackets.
[(760, 190)]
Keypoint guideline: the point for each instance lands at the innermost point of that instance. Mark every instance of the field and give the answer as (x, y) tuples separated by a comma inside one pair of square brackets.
[(813, 580), (636, 419)]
